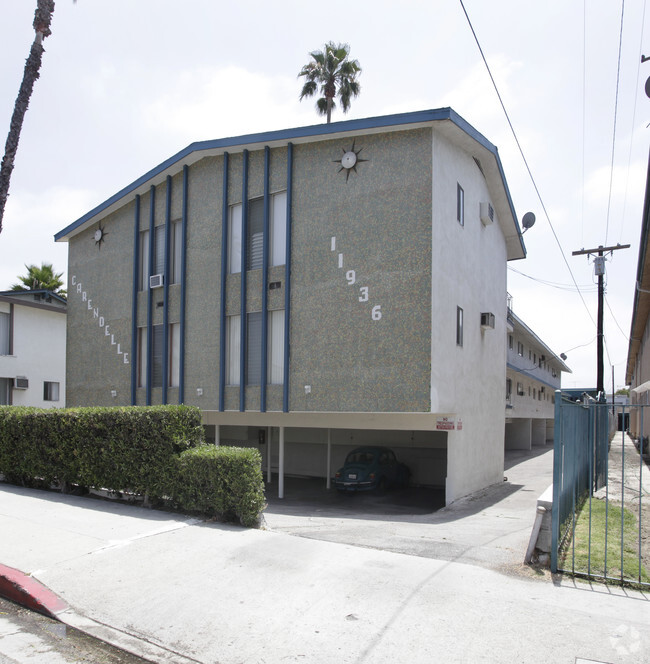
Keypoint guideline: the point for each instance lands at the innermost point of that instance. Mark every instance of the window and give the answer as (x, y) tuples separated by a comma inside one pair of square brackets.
[(175, 252), (158, 255), (459, 326), (50, 391), (234, 238), (508, 388), (520, 389), (534, 393), (254, 348), (5, 334), (5, 391), (233, 333), (279, 229), (255, 233), (157, 356), (520, 349), (511, 342), (275, 371), (460, 205), (142, 357), (275, 348)]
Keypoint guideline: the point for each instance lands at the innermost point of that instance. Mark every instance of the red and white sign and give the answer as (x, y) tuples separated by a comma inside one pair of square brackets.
[(445, 424)]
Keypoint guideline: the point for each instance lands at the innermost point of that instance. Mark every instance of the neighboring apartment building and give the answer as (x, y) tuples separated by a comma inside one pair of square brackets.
[(310, 289), (637, 374), (533, 374), (32, 349)]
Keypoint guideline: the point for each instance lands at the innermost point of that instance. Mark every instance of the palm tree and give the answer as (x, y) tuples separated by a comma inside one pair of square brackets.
[(42, 20), (40, 278), (331, 73)]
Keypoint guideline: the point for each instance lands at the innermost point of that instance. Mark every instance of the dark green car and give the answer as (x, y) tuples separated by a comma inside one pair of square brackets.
[(371, 468)]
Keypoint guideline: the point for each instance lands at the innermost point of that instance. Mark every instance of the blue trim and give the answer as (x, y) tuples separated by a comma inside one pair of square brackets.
[(224, 276), (265, 281), (244, 249), (287, 281), (287, 135), (531, 376), (152, 210), (181, 359), (165, 359), (135, 360)]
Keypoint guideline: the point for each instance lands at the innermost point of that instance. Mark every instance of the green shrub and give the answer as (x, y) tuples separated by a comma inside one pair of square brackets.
[(156, 451), (221, 481)]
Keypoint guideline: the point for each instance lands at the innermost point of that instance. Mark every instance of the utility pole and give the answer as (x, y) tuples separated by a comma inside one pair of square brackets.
[(599, 262)]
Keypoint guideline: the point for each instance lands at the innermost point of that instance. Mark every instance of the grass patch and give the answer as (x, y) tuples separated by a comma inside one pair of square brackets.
[(591, 560)]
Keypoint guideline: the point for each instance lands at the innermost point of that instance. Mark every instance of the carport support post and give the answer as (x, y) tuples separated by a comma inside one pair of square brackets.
[(281, 464), (329, 457)]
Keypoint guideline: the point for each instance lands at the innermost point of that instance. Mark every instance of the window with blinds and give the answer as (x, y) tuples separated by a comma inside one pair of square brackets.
[(254, 241), (5, 333), (275, 348)]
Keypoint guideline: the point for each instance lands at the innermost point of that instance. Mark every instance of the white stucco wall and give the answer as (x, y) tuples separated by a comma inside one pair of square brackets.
[(468, 270), (39, 339)]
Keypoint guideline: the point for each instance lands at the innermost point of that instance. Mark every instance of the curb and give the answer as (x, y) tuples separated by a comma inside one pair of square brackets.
[(30, 593)]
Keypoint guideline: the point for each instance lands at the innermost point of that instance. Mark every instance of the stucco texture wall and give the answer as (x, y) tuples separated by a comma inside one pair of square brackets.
[(366, 229)]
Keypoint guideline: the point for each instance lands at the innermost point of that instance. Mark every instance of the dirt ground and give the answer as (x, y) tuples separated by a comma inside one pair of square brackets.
[(629, 484)]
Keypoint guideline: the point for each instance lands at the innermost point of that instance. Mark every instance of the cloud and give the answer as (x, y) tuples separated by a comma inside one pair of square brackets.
[(38, 216)]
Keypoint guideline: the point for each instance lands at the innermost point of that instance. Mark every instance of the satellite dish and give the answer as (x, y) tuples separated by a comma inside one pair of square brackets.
[(563, 356), (528, 221)]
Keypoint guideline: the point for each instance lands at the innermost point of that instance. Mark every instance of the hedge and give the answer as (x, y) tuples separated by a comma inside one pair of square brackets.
[(155, 451), (224, 481)]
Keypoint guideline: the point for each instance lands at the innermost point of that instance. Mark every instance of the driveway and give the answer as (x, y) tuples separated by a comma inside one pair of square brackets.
[(490, 528)]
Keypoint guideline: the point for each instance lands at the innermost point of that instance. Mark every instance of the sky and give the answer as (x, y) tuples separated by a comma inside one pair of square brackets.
[(124, 85)]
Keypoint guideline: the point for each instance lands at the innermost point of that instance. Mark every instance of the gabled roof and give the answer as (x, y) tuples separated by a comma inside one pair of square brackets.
[(520, 325), (446, 120), (35, 298)]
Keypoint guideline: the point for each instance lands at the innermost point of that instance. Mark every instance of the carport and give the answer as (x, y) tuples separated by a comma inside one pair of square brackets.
[(316, 444)]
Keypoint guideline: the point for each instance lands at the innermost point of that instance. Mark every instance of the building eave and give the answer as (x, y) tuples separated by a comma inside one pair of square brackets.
[(445, 119)]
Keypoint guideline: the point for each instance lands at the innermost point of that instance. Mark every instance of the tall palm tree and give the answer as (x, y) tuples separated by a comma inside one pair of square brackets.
[(330, 72), (40, 278), (42, 20)]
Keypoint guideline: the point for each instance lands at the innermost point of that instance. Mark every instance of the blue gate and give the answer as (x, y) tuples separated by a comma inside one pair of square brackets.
[(585, 516)]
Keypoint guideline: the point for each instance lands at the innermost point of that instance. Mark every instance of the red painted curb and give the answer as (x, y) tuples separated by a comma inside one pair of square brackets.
[(28, 592)]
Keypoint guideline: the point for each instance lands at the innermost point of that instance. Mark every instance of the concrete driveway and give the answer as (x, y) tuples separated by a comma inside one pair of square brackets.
[(490, 528)]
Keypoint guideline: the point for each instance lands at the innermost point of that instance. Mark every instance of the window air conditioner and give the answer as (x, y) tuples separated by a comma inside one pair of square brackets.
[(487, 321), (156, 281), (487, 214), (21, 383)]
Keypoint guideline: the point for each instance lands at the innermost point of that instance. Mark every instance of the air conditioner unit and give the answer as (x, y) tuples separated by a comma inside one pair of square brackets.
[(21, 383), (156, 280), (487, 321), (487, 213)]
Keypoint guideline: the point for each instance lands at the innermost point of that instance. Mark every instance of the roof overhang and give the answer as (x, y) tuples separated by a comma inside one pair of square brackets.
[(641, 307), (445, 120)]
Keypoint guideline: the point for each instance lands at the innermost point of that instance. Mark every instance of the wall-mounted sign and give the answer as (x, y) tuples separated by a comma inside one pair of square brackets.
[(445, 424), (102, 325)]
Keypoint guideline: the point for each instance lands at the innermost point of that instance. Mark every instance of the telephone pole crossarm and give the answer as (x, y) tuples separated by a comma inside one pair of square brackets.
[(600, 270)]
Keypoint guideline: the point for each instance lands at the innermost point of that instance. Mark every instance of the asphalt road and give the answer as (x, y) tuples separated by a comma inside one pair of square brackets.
[(27, 637)]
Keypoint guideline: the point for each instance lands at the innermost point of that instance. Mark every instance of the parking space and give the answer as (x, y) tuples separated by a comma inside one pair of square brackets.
[(310, 495)]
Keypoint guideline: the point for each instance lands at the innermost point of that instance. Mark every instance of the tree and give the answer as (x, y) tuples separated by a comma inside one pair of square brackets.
[(42, 20), (40, 278), (331, 73)]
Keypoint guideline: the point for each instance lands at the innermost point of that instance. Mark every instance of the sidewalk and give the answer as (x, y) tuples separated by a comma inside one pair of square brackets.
[(176, 589)]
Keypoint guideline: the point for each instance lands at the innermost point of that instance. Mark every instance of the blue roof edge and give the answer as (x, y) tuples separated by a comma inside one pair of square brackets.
[(411, 117)]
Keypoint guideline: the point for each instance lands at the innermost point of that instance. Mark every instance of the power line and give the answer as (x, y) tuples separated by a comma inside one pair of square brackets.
[(618, 78), (567, 287), (530, 174)]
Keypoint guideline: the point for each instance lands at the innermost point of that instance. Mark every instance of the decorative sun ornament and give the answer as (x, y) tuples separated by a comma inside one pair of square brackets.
[(100, 236), (349, 160)]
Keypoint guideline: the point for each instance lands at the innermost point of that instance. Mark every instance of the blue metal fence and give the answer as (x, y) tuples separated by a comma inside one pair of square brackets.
[(584, 434)]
